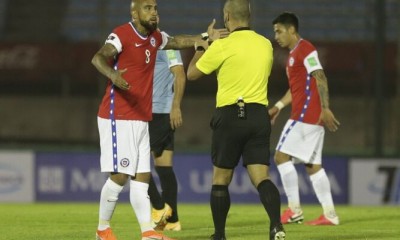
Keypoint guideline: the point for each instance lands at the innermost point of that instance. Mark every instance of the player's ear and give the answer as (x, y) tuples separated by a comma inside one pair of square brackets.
[(133, 10), (292, 30), (134, 14)]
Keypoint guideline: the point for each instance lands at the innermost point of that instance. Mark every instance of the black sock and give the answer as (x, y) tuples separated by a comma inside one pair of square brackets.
[(270, 198), (155, 198), (169, 188), (220, 203)]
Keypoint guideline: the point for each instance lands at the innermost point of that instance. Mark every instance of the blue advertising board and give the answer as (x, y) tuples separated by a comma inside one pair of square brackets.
[(77, 177)]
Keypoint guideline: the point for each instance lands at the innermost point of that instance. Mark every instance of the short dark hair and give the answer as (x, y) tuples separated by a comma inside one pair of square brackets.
[(288, 19)]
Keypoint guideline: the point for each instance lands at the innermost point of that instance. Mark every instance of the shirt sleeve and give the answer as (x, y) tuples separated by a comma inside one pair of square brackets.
[(211, 59), (174, 58), (164, 38), (115, 41), (311, 62)]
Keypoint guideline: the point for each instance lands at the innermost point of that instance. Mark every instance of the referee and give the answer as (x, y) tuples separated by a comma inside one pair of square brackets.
[(241, 124)]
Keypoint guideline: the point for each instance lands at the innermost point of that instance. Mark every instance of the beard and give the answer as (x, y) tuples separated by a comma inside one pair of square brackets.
[(151, 27)]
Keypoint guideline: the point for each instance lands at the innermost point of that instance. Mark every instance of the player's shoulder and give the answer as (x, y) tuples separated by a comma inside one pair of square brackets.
[(305, 44), (123, 31), (162, 54), (303, 49), (123, 27), (158, 34), (261, 38), (166, 54), (171, 52)]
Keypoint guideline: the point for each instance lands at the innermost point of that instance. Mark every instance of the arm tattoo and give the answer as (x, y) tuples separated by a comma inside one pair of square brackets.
[(103, 57), (322, 84)]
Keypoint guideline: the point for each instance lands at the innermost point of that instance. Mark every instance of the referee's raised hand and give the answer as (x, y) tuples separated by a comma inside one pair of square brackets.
[(214, 34)]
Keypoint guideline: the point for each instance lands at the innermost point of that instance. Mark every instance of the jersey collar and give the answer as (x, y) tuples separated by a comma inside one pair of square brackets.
[(241, 29), (297, 44), (137, 32)]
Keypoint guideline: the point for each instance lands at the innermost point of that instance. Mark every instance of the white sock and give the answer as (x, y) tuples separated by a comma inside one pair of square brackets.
[(322, 188), (108, 200), (290, 184), (140, 202)]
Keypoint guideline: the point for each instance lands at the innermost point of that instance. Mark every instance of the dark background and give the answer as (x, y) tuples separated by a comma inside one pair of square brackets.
[(49, 91)]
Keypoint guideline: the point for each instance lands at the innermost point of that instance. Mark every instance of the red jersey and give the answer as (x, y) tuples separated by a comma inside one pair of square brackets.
[(302, 61), (137, 54)]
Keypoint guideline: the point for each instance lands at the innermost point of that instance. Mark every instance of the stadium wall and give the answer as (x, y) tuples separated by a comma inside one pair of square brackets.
[(27, 176), (49, 94)]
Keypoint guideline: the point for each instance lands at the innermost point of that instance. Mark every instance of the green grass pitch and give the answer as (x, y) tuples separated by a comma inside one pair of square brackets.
[(75, 221)]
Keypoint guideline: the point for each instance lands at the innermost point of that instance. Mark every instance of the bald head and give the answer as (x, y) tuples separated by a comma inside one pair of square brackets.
[(144, 15), (239, 10), (135, 4)]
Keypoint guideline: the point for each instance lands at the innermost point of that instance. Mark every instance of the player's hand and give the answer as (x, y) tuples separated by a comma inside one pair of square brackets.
[(119, 81), (329, 120), (273, 113), (175, 118), (214, 34)]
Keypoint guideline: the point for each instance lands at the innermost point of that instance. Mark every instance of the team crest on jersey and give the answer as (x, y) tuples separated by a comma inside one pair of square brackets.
[(124, 162), (291, 61), (153, 41)]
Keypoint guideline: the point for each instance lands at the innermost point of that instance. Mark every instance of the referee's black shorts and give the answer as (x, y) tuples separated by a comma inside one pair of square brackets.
[(233, 138), (161, 134)]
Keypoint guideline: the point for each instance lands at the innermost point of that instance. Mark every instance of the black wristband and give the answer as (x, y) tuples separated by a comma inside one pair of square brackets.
[(200, 49)]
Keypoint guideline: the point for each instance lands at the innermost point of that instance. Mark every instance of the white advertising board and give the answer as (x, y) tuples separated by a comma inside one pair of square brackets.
[(17, 176), (374, 181)]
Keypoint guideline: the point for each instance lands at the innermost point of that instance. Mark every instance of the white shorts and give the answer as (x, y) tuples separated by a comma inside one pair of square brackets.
[(302, 141), (127, 150)]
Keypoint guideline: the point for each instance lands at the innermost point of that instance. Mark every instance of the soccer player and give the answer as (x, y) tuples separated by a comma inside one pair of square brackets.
[(302, 138), (127, 58), (241, 124), (169, 84)]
